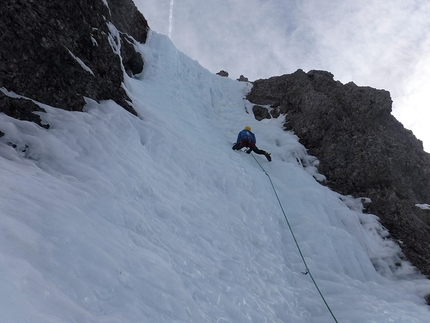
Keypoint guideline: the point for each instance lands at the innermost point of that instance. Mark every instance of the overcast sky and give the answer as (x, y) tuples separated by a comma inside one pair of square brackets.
[(382, 44)]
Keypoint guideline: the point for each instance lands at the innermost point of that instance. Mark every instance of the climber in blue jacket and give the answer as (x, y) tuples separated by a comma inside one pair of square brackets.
[(246, 138)]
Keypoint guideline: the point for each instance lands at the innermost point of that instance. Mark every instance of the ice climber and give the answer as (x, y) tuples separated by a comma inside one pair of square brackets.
[(246, 138)]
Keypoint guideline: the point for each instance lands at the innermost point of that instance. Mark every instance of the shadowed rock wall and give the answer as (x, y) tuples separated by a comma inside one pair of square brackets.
[(363, 150), (58, 52)]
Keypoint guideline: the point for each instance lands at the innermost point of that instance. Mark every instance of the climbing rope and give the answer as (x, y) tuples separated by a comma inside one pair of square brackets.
[(295, 240)]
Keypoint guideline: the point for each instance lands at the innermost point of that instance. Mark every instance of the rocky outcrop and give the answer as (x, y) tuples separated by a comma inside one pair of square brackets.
[(57, 53), (363, 150), (222, 73), (242, 79)]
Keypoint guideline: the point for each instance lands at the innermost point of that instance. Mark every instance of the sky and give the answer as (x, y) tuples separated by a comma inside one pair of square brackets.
[(382, 44), (109, 217)]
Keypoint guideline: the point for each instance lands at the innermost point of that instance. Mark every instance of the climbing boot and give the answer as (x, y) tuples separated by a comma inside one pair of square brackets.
[(267, 156)]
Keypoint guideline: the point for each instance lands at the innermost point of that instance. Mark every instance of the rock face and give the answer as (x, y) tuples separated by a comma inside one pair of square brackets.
[(363, 150), (57, 53)]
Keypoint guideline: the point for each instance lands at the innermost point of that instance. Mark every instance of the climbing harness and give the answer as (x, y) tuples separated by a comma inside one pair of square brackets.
[(295, 240)]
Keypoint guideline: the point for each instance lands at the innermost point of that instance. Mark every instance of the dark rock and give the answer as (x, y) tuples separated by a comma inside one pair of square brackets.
[(222, 73), (58, 53), (427, 298), (363, 150), (21, 109), (242, 79), (128, 19), (260, 112), (131, 60)]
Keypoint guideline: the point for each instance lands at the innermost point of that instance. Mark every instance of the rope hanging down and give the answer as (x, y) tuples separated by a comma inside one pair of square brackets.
[(295, 240)]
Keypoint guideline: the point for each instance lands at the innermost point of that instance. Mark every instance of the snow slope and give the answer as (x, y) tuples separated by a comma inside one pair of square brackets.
[(111, 218)]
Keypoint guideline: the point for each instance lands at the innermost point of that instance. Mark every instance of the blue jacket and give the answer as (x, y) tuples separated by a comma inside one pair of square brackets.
[(245, 135)]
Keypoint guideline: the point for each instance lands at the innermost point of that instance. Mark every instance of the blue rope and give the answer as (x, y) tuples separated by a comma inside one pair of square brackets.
[(295, 240)]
